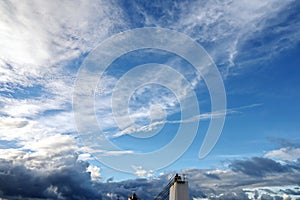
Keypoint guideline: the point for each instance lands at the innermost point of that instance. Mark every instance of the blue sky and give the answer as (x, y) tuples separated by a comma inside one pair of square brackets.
[(254, 45)]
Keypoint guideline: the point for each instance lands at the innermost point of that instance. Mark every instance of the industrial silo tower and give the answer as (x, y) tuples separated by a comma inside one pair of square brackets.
[(176, 189), (179, 189)]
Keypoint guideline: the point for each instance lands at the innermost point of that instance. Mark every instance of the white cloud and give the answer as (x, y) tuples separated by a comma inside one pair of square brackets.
[(140, 172), (9, 122), (43, 33), (46, 154), (95, 172), (24, 119), (85, 156), (228, 23), (147, 101), (156, 125), (224, 27), (116, 153), (30, 107), (272, 191), (284, 154), (37, 40), (20, 129)]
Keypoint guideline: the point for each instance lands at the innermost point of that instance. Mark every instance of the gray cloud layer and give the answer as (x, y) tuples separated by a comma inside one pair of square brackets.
[(73, 182), (19, 182)]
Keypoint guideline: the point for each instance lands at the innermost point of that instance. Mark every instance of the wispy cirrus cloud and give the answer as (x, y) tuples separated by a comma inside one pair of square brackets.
[(41, 45), (38, 40), (63, 35), (226, 29), (153, 126), (42, 32)]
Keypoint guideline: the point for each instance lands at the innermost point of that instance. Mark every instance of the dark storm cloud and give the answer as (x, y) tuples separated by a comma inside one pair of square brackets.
[(149, 188), (258, 166), (73, 182), (266, 197), (144, 188), (17, 181), (233, 183)]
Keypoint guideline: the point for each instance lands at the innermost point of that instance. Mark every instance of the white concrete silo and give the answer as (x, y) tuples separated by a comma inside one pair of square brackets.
[(179, 189)]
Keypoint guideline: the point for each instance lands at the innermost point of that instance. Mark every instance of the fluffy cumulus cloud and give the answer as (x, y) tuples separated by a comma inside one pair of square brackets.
[(46, 168)]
